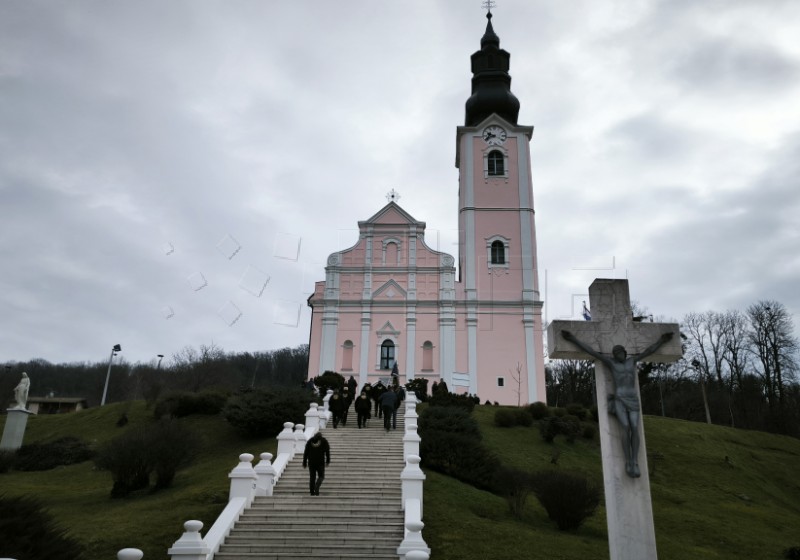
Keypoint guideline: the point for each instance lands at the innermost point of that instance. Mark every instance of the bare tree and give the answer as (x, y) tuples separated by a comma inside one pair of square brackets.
[(774, 347)]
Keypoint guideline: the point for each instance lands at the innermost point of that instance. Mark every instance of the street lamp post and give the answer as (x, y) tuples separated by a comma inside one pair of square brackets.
[(160, 357), (116, 348)]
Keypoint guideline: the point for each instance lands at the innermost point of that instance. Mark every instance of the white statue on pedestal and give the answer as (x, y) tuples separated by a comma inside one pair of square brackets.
[(21, 392)]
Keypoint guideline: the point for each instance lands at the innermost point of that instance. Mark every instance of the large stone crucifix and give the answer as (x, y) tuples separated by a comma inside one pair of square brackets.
[(616, 342)]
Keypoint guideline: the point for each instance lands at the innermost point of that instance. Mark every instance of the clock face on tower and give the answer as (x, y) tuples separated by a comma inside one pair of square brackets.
[(494, 135)]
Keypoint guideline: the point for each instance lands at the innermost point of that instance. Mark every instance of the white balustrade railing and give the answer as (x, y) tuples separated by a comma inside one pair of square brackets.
[(247, 482)]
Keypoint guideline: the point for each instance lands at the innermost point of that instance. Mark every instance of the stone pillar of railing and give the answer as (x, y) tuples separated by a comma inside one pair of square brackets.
[(243, 479), (417, 555), (266, 475), (130, 554), (325, 415), (411, 480), (411, 440), (190, 546), (413, 540), (299, 438), (312, 419), (286, 440)]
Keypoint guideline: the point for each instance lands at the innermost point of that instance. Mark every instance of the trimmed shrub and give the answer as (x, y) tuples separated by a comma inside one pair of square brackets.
[(515, 486), (577, 410), (460, 456), (67, 450), (329, 380), (441, 398), (559, 411), (419, 386), (132, 457), (262, 412), (29, 532), (538, 410), (505, 418), (589, 431), (180, 404), (567, 498), (7, 459), (522, 417), (552, 426), (448, 420)]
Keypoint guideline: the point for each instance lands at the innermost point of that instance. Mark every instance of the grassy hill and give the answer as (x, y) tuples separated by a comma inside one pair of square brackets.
[(717, 492)]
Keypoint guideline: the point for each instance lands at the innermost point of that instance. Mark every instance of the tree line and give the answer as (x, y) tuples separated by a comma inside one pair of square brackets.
[(739, 368), (189, 369)]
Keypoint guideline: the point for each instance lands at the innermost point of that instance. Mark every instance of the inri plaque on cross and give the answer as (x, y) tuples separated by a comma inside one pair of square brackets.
[(616, 342)]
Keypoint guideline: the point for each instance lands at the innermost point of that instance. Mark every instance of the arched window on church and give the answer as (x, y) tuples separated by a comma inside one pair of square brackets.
[(498, 252), (347, 355), (427, 356), (496, 164), (387, 354)]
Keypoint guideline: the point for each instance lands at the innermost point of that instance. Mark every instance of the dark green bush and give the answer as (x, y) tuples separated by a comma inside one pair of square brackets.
[(589, 431), (329, 380), (45, 456), (593, 413), (7, 459), (419, 386), (460, 456), (538, 410), (522, 417), (162, 449), (567, 498), (792, 553), (180, 404), (567, 426), (577, 410), (514, 485), (559, 411), (262, 412), (448, 420), (29, 532), (505, 418), (443, 398)]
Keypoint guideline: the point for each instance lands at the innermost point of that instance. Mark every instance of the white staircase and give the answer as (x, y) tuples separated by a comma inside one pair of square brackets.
[(358, 513)]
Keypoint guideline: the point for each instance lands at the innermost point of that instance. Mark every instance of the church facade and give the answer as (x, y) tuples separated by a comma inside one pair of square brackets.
[(392, 300)]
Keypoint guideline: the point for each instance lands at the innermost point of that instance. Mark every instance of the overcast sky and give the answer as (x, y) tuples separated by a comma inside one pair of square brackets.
[(176, 173)]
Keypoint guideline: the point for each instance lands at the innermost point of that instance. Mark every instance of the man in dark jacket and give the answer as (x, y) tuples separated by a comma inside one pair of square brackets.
[(317, 454), (336, 406), (363, 408), (388, 402)]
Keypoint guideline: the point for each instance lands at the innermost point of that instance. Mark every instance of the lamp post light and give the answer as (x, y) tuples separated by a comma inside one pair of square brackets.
[(160, 357), (116, 348)]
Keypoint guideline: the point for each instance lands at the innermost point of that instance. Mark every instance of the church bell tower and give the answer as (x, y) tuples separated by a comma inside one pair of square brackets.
[(498, 272)]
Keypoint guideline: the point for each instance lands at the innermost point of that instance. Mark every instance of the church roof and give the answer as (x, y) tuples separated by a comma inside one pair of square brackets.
[(491, 82), (392, 213)]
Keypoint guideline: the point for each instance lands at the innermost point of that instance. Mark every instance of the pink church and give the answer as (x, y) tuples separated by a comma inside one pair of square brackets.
[(392, 299)]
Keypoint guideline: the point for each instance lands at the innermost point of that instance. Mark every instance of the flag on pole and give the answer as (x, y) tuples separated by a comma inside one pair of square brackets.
[(587, 315)]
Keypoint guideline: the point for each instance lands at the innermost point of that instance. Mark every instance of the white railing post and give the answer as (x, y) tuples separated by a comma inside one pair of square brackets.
[(130, 554), (417, 555), (413, 538), (190, 546), (266, 475), (325, 415), (299, 438), (411, 441), (243, 479), (411, 479), (312, 419), (286, 440)]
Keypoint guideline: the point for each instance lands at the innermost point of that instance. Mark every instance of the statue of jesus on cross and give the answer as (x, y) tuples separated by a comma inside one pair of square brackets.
[(624, 403)]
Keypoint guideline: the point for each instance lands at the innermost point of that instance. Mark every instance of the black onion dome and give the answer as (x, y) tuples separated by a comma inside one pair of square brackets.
[(491, 83)]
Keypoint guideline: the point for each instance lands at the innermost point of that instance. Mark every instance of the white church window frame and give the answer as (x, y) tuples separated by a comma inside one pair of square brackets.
[(399, 244), (506, 251), (489, 168)]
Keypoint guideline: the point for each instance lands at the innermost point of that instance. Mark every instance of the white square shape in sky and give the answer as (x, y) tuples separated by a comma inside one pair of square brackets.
[(287, 246), (254, 281), (228, 246), (230, 313), (286, 313), (197, 281)]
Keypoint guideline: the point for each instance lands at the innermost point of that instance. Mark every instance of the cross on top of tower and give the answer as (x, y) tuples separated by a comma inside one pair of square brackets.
[(393, 196), (488, 5)]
